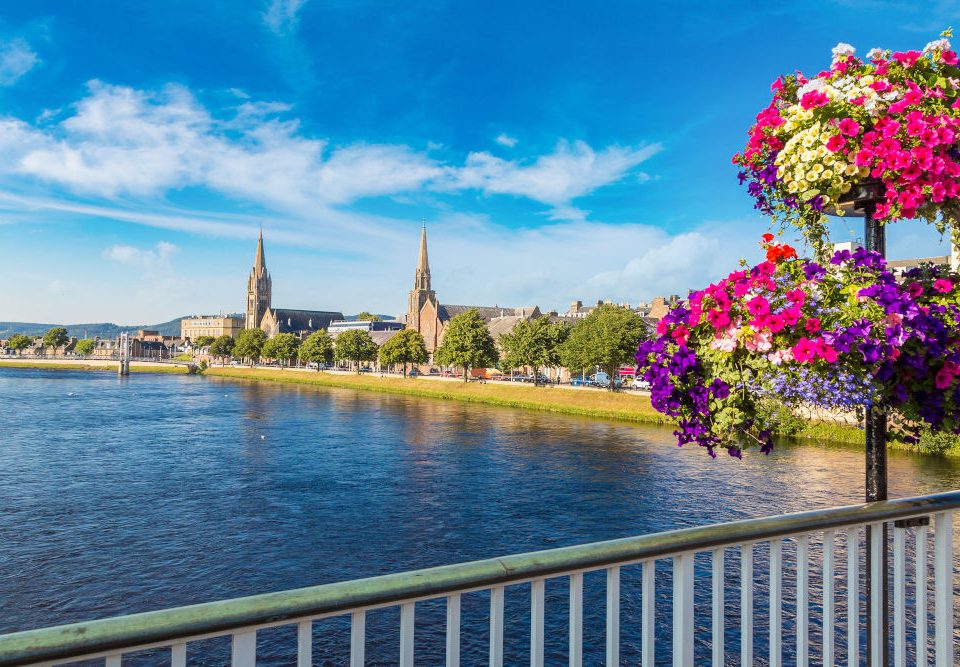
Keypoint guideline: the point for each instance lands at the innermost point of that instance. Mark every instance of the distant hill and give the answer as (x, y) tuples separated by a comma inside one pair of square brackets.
[(90, 330)]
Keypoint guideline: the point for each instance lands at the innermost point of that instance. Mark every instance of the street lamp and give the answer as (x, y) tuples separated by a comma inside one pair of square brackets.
[(862, 200)]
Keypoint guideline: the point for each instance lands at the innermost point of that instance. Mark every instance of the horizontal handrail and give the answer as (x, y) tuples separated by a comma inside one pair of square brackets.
[(168, 625)]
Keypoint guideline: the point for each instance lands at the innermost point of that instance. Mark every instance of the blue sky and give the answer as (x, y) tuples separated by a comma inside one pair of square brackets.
[(557, 151)]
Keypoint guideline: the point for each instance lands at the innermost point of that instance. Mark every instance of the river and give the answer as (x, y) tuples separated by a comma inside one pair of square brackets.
[(120, 495)]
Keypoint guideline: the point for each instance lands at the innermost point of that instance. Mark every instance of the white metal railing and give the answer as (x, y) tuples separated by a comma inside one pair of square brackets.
[(837, 533)]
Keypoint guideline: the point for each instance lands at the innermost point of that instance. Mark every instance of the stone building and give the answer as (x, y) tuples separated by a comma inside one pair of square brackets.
[(261, 313), (208, 325), (259, 288), (428, 316)]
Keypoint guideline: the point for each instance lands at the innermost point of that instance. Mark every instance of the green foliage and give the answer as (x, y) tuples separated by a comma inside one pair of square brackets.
[(467, 343), (282, 347), (317, 349), (937, 442), (183, 357), (355, 345), (85, 346), (56, 337), (203, 341), (607, 338), (222, 346), (249, 344), (19, 342), (202, 365), (404, 347), (535, 343), (367, 317)]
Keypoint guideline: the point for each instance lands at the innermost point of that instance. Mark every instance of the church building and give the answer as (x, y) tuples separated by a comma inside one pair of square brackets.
[(261, 314), (428, 316)]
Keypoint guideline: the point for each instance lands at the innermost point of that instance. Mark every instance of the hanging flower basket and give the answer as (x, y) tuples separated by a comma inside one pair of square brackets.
[(788, 336), (892, 119)]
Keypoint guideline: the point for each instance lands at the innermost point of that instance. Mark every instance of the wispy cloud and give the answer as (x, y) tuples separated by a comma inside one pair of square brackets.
[(122, 143), (281, 15), (145, 258), (506, 140), (16, 59)]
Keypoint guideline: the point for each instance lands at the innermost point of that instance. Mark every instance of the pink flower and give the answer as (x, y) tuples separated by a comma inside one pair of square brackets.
[(864, 157), (938, 192), (776, 323), (948, 58), (908, 59), (718, 319), (835, 143), (812, 325), (680, 335), (849, 127), (944, 379), (796, 296), (912, 173), (942, 285), (813, 99), (915, 127), (826, 352), (805, 350), (758, 306)]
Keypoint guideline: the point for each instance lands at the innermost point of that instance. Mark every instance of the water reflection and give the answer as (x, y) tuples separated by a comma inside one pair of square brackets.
[(163, 491)]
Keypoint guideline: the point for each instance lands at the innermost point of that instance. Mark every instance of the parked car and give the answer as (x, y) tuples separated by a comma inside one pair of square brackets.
[(414, 372), (581, 382), (640, 383), (365, 369)]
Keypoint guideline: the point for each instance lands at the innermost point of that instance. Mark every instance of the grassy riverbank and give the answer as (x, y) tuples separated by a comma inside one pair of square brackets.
[(91, 366), (620, 406)]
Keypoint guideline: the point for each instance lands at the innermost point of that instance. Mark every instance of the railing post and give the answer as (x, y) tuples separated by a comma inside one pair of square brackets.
[(853, 596), (536, 622), (829, 615), (943, 578), (407, 617), (576, 620), (803, 600), (649, 613), (776, 593), (746, 604), (920, 590), (899, 596), (613, 615), (718, 607), (496, 626), (305, 644), (358, 638), (876, 637), (453, 630), (682, 610), (244, 653)]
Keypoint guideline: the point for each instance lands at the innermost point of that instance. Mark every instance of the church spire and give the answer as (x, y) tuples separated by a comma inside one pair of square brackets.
[(260, 262), (423, 266)]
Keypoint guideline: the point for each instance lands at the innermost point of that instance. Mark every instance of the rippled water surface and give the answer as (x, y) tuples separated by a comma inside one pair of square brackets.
[(125, 495)]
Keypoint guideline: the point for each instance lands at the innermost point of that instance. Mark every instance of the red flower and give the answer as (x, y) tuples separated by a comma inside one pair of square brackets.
[(812, 325), (767, 238)]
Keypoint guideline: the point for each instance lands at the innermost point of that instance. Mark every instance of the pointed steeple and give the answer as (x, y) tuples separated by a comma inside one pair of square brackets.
[(260, 262), (423, 265)]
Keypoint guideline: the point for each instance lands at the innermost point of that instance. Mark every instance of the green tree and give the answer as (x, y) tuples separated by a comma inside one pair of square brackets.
[(55, 337), (533, 343), (367, 317), (317, 349), (222, 347), (85, 346), (249, 344), (19, 342), (404, 347), (355, 345), (606, 338), (203, 341), (467, 343), (282, 347)]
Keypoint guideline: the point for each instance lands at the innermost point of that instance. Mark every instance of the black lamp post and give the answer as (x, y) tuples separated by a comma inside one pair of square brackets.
[(862, 199)]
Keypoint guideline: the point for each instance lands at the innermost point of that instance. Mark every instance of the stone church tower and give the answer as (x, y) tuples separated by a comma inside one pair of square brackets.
[(421, 294), (259, 288)]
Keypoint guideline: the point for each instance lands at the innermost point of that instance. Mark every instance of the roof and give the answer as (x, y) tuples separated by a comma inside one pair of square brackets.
[(503, 325), (910, 263), (447, 312), (294, 321)]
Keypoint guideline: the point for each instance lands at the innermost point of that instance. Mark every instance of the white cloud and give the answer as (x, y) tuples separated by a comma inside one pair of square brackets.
[(16, 59), (145, 258), (281, 15), (572, 170), (506, 140), (119, 142)]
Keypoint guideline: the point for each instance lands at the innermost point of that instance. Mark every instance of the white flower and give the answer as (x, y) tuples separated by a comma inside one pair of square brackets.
[(843, 49), (874, 53), (814, 84), (937, 45)]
